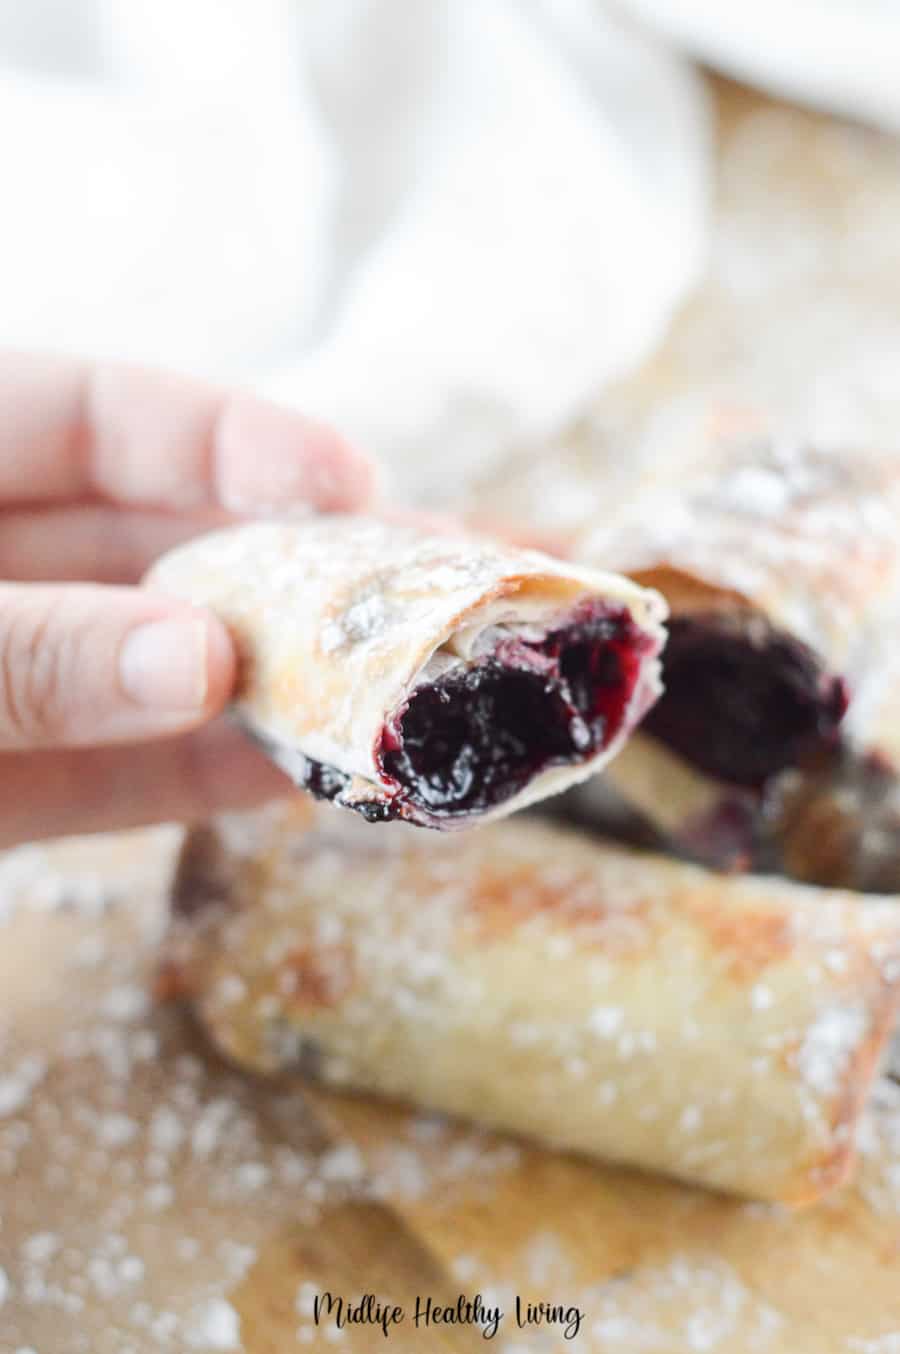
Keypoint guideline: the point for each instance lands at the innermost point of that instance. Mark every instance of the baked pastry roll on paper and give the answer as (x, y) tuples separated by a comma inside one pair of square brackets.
[(434, 678), (776, 561), (723, 1030)]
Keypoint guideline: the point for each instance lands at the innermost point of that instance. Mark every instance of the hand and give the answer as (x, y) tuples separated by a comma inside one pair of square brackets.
[(101, 469)]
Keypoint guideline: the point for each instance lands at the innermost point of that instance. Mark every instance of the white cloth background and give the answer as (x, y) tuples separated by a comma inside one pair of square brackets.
[(444, 224), (842, 56)]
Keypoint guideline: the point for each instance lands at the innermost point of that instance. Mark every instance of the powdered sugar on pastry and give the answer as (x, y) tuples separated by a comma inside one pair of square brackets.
[(722, 1030), (438, 679)]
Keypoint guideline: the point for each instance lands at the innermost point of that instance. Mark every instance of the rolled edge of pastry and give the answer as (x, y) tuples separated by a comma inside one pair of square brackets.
[(434, 678), (720, 1030)]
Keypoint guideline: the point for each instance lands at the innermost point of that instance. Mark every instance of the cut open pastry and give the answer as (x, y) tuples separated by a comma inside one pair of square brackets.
[(433, 678), (830, 816), (723, 1030), (776, 560)]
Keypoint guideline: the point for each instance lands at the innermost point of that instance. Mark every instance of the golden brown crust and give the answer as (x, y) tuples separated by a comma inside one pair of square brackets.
[(336, 621), (748, 940), (313, 976), (722, 1030), (802, 536)]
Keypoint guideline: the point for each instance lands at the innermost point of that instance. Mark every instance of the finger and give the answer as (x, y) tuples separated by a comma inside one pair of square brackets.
[(49, 793), (70, 430), (86, 664), (92, 542)]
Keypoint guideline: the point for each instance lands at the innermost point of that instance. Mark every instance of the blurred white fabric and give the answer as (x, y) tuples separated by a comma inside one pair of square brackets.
[(444, 224), (842, 56), (441, 224)]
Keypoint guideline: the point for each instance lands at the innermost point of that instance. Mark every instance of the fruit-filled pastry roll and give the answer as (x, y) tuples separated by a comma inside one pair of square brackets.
[(435, 678), (620, 1004), (776, 562), (832, 820)]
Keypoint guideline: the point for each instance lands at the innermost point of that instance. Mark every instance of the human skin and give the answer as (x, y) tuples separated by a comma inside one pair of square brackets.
[(109, 692)]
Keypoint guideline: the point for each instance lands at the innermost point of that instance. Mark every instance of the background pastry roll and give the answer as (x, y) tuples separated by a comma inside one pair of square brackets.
[(778, 561), (722, 1030), (435, 678), (834, 819)]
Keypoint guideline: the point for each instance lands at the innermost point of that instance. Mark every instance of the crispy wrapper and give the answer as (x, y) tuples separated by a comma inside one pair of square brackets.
[(802, 538), (434, 678), (780, 564), (834, 820), (777, 561), (722, 1030)]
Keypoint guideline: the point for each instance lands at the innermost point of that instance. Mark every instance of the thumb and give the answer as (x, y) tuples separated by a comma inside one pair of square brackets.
[(83, 664)]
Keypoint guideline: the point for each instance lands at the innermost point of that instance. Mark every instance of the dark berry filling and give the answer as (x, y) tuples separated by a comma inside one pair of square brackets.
[(319, 778), (739, 705), (326, 782), (477, 735), (323, 781)]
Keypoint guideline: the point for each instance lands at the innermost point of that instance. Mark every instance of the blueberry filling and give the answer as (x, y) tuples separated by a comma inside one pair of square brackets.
[(326, 782), (471, 740), (323, 781), (477, 735), (741, 706)]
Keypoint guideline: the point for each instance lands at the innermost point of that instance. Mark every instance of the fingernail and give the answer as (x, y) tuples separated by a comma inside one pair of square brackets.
[(163, 664)]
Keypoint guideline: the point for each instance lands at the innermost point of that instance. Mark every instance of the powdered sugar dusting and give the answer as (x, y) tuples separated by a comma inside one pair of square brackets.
[(213, 1325), (16, 1088), (157, 1179), (337, 619), (693, 1302), (155, 1175), (828, 1045), (372, 960)]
